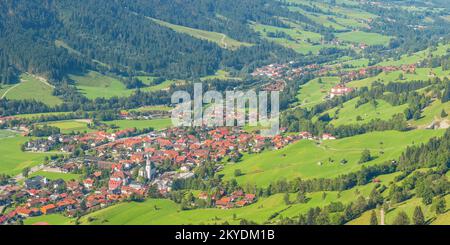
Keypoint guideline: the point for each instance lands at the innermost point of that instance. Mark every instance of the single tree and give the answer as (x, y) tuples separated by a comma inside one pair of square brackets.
[(365, 156), (237, 172), (26, 172), (373, 218), (443, 113), (439, 205), (301, 197), (401, 219), (286, 199), (418, 218)]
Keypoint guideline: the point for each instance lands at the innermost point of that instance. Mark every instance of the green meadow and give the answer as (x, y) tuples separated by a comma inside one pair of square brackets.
[(314, 92), (441, 49), (309, 159), (162, 86), (51, 219), (395, 76), (348, 114), (432, 112), (13, 159), (7, 133), (221, 39), (55, 176), (300, 40), (407, 206), (69, 126), (94, 85), (31, 88), (325, 20), (368, 38), (140, 124), (220, 74), (164, 211)]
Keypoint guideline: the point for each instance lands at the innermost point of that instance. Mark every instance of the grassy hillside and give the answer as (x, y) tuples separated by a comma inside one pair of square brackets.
[(163, 211), (420, 74), (348, 114), (30, 88), (302, 158), (300, 40), (363, 37), (94, 84), (221, 39), (407, 206), (432, 112), (314, 92)]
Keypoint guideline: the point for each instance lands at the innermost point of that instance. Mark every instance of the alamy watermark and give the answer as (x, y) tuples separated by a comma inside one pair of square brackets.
[(238, 108)]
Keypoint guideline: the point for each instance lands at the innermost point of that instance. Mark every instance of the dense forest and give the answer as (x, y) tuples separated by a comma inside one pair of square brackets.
[(53, 38)]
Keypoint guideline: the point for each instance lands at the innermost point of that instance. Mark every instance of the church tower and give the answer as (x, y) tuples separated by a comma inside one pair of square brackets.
[(149, 171)]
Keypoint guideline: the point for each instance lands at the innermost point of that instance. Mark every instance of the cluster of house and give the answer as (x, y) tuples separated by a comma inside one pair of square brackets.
[(339, 90), (67, 143), (310, 136), (42, 196), (271, 71), (225, 201), (130, 166), (6, 119), (144, 115), (374, 70), (277, 85), (52, 142)]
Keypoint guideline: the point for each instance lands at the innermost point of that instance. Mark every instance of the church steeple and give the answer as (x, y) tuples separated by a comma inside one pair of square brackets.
[(148, 168)]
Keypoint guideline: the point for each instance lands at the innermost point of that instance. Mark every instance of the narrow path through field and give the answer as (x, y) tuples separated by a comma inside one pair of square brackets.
[(7, 91), (43, 80), (34, 169)]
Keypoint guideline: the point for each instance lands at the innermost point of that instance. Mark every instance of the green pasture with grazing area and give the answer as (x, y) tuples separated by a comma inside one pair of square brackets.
[(266, 210), (55, 175), (69, 126), (309, 159), (413, 58), (220, 74), (314, 91), (325, 20), (368, 38), (13, 159), (367, 112), (51, 219), (399, 76), (140, 124), (96, 85), (432, 112), (162, 86), (295, 37), (32, 88), (4, 88), (407, 206), (4, 133), (219, 38)]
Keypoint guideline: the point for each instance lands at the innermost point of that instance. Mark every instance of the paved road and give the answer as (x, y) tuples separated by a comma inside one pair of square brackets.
[(34, 169)]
